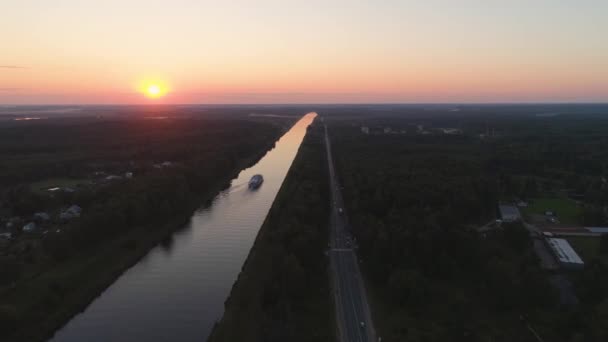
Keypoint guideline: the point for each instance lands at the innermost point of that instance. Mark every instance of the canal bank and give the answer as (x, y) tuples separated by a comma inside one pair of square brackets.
[(176, 291), (283, 292), (92, 272)]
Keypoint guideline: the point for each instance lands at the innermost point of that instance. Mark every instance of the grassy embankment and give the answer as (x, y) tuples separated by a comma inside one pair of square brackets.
[(282, 292), (93, 272)]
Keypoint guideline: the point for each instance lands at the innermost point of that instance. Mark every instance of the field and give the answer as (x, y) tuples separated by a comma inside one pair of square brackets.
[(587, 248), (567, 211)]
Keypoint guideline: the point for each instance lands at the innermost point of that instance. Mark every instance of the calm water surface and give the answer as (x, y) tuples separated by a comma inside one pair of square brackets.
[(177, 291)]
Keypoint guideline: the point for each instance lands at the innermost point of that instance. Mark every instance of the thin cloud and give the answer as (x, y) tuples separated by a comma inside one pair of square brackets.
[(9, 90), (12, 67)]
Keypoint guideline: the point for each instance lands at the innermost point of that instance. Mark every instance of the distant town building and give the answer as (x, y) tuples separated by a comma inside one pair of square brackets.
[(451, 131), (129, 175), (564, 253), (74, 209), (113, 177), (509, 213), (42, 216), (13, 222), (30, 227), (387, 130), (163, 165), (364, 129), (70, 213)]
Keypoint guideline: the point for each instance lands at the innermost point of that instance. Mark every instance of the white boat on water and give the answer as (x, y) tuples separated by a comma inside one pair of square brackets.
[(256, 181)]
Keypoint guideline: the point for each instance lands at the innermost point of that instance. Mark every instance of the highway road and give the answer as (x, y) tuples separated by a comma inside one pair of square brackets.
[(351, 304)]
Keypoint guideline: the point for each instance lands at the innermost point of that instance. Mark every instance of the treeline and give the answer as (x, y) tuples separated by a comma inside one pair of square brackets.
[(282, 293), (73, 148), (562, 156)]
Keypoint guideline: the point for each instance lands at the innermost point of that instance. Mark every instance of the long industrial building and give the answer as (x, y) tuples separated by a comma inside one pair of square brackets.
[(564, 253)]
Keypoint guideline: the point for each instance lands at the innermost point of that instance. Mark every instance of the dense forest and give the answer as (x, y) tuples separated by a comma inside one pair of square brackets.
[(135, 181), (415, 195), (282, 293), (418, 184)]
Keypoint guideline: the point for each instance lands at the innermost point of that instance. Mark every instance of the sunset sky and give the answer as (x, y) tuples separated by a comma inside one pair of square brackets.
[(238, 51)]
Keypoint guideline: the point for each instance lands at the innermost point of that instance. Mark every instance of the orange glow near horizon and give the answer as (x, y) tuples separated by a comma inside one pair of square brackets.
[(260, 52), (153, 89)]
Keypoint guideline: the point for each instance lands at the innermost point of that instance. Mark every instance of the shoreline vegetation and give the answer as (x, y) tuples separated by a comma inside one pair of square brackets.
[(283, 292), (98, 268)]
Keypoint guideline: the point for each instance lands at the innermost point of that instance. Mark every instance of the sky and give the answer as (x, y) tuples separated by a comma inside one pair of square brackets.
[(331, 51)]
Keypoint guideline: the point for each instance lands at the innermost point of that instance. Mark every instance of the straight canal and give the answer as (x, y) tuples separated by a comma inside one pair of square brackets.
[(177, 291)]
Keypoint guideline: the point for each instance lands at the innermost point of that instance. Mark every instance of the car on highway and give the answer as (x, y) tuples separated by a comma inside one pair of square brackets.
[(362, 324)]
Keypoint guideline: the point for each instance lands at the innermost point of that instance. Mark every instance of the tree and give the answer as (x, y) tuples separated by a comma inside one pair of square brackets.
[(408, 287), (530, 188), (516, 236), (604, 244)]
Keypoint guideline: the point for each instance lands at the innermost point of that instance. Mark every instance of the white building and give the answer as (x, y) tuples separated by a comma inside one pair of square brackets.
[(364, 129), (564, 253), (70, 213), (75, 210), (163, 165), (30, 227), (451, 131), (509, 213)]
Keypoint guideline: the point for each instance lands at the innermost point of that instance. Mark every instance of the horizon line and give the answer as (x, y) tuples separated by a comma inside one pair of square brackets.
[(315, 104)]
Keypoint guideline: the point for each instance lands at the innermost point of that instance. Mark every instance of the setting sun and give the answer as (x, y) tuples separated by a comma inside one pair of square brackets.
[(153, 89)]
